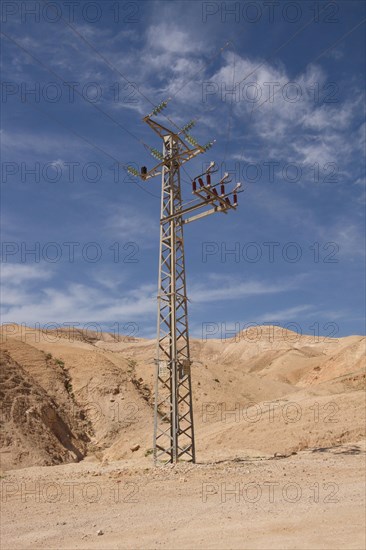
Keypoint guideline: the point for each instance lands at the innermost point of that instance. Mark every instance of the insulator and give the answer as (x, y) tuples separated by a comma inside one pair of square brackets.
[(143, 170), (200, 181), (235, 199), (157, 154), (222, 189), (159, 108), (194, 185), (188, 126), (133, 171), (208, 179), (191, 139), (208, 145), (215, 192), (228, 200)]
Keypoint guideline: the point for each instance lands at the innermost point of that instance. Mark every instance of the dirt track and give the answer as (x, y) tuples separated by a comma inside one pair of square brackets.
[(309, 500)]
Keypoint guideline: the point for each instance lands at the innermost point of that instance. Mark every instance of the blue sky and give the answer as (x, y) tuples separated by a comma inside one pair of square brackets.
[(293, 133)]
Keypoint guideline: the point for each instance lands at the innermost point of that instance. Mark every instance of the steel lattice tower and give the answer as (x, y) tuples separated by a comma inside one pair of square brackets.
[(173, 414), (173, 420)]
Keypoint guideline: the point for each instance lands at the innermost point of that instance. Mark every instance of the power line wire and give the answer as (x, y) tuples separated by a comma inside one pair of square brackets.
[(318, 56), (91, 143), (283, 45), (114, 68), (51, 71)]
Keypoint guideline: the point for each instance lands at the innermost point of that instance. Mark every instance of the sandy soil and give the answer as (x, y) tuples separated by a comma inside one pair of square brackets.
[(308, 500), (280, 437)]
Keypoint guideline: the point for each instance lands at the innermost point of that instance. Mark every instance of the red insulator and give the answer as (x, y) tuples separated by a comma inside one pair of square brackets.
[(235, 198), (194, 185), (222, 189), (215, 191), (208, 180), (228, 200), (200, 181)]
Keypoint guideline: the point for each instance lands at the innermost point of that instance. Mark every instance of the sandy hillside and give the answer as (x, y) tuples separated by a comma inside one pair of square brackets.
[(280, 437), (68, 394)]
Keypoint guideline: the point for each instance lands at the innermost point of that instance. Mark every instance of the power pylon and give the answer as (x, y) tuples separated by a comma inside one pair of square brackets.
[(173, 415)]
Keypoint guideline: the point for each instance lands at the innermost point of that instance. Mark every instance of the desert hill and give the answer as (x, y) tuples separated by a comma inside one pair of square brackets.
[(70, 396)]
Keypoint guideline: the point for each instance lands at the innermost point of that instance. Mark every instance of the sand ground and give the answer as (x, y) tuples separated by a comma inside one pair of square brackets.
[(308, 500), (280, 441)]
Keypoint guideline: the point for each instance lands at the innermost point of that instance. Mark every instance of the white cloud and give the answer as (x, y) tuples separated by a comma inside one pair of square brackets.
[(218, 287), (109, 302), (128, 223), (350, 239), (17, 279), (15, 274), (77, 302), (317, 127), (41, 143), (288, 314), (168, 38)]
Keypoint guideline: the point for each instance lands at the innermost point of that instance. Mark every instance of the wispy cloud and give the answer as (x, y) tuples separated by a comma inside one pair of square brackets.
[(218, 287), (128, 223), (76, 301), (287, 314), (16, 274), (176, 59)]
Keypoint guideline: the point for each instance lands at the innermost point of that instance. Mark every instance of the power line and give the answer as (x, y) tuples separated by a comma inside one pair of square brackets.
[(201, 69), (89, 142), (318, 56), (230, 111), (51, 71), (282, 45), (114, 68)]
